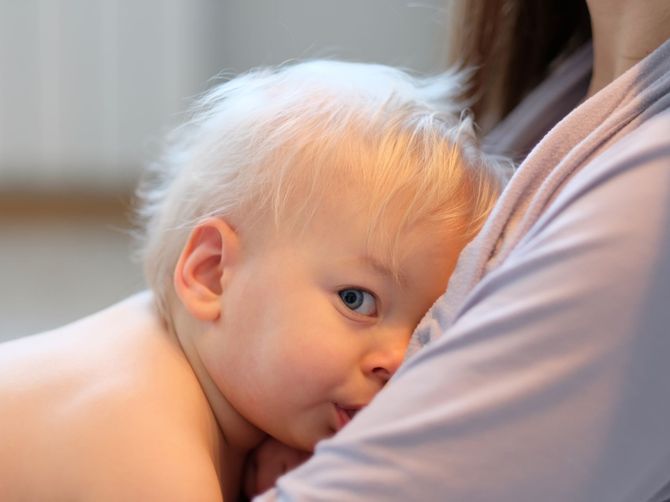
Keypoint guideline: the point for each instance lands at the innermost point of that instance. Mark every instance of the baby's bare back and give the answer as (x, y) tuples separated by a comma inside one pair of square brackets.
[(105, 409)]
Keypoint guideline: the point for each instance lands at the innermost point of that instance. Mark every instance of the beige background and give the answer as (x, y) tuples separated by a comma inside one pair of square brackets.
[(62, 258)]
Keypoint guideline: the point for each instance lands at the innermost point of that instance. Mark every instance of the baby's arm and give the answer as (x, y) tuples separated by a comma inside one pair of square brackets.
[(267, 463)]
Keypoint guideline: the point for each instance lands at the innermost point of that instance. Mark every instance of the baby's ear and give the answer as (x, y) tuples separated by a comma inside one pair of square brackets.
[(211, 248)]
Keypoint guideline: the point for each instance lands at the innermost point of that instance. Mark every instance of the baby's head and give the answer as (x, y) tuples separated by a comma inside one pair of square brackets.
[(300, 226), (269, 147)]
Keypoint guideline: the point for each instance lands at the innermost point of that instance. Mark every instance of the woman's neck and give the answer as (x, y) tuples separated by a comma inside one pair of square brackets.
[(624, 32)]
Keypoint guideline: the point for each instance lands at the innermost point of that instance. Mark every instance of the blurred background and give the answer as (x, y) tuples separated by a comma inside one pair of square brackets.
[(88, 88)]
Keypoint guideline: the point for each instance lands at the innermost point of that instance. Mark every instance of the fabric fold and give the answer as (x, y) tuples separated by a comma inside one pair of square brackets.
[(586, 132)]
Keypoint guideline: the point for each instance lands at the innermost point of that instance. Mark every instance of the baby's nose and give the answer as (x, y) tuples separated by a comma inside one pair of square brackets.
[(383, 363)]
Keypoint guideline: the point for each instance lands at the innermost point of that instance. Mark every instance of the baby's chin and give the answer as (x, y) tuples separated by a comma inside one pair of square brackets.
[(307, 443), (304, 434)]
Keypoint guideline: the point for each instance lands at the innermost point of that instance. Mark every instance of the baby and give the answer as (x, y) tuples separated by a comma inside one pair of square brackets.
[(295, 233)]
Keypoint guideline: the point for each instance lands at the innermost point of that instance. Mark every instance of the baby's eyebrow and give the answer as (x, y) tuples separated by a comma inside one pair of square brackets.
[(384, 269)]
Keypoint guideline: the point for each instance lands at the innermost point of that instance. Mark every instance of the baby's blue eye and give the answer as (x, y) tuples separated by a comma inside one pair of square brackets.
[(359, 301)]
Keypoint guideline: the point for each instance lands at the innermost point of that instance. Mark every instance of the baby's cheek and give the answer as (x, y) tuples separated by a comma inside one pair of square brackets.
[(306, 365), (315, 364)]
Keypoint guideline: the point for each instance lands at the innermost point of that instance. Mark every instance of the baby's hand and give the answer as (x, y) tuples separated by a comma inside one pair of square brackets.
[(267, 462)]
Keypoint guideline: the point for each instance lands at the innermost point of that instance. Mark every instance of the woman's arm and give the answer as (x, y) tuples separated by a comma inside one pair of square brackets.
[(553, 384)]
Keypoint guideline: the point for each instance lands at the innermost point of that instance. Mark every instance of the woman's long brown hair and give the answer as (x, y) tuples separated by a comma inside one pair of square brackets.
[(512, 45)]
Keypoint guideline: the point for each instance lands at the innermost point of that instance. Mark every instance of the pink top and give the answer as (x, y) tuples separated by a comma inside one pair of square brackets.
[(546, 371)]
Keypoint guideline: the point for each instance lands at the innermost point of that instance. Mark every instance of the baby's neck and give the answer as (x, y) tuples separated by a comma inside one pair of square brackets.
[(238, 435)]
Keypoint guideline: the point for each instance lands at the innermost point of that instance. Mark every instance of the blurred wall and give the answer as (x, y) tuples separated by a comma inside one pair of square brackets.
[(89, 87), (61, 258)]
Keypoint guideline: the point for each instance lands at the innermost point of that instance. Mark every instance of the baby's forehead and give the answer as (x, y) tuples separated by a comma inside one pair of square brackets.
[(382, 248), (381, 234)]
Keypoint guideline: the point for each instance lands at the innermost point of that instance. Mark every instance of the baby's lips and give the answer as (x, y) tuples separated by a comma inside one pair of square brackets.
[(351, 411), (346, 413)]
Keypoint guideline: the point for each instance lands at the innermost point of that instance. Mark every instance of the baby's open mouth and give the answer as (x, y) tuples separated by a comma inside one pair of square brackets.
[(345, 414)]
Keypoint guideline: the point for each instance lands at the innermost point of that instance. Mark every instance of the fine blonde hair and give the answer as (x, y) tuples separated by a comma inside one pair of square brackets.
[(259, 141)]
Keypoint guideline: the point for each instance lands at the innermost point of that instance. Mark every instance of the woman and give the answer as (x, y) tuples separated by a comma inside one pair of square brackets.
[(547, 375)]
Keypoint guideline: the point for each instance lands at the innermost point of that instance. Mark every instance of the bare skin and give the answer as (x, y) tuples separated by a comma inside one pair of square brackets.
[(624, 32), (118, 407), (108, 408)]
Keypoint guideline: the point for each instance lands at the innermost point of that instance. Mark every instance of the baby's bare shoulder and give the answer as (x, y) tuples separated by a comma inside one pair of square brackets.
[(123, 445), (165, 464), (104, 405)]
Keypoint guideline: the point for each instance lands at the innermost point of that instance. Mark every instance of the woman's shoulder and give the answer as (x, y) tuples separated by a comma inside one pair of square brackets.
[(645, 147)]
